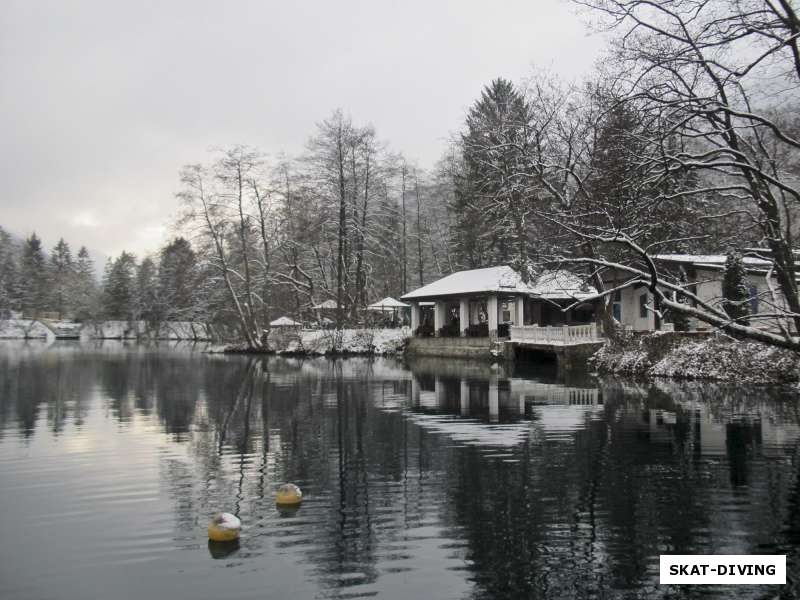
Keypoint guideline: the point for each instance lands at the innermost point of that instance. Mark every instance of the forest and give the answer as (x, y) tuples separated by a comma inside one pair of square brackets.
[(686, 138)]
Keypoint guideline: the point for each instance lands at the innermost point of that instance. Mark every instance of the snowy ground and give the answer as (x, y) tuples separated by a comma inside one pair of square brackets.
[(107, 330), (23, 329), (329, 341), (346, 341), (131, 330), (716, 357)]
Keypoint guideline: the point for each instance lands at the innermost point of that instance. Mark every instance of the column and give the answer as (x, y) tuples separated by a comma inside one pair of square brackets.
[(463, 315), (464, 398), (520, 318), (491, 308), (414, 316), (438, 316)]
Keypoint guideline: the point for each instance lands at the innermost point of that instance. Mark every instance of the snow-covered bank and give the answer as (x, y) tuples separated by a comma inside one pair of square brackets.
[(134, 330), (381, 342), (715, 357), (104, 330), (23, 329)]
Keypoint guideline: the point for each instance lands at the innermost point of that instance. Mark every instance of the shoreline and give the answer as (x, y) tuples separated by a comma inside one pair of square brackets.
[(684, 356)]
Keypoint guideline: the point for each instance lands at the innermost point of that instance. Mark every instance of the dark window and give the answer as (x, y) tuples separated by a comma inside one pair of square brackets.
[(643, 306), (616, 305)]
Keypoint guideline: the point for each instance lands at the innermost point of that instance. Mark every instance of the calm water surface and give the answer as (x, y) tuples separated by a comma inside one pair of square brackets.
[(436, 479)]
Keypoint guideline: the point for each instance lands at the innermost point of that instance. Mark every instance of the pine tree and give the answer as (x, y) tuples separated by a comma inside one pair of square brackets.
[(734, 289), (491, 203), (33, 278), (61, 278), (177, 278), (146, 296), (84, 293), (9, 275), (119, 288)]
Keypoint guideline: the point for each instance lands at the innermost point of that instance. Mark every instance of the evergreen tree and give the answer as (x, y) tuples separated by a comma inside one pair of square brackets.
[(119, 288), (146, 303), (9, 275), (734, 288), (492, 203), (61, 278), (85, 290), (177, 278), (33, 278)]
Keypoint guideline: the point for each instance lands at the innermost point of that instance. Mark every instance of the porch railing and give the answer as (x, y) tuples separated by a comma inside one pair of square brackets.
[(560, 334)]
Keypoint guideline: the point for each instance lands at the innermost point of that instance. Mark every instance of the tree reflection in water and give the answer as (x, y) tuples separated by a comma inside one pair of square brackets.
[(507, 481)]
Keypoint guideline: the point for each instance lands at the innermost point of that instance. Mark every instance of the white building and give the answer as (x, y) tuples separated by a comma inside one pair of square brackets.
[(633, 306), (486, 302)]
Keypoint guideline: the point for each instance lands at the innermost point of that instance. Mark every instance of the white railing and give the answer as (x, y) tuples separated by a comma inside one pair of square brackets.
[(561, 335)]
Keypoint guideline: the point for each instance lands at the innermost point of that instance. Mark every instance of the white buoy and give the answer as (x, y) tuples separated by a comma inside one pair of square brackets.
[(224, 527)]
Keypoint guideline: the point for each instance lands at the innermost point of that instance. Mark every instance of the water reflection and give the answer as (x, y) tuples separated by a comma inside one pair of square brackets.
[(434, 479)]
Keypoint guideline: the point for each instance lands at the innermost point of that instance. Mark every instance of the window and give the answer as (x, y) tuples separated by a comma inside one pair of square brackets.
[(643, 306), (616, 306), (753, 299)]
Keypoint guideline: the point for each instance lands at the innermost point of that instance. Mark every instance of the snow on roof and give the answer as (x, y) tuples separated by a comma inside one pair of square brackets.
[(284, 322), (387, 303), (325, 305), (561, 284), (710, 260), (504, 279)]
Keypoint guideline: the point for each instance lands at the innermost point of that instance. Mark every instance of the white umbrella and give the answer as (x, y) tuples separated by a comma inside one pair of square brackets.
[(284, 322), (388, 304)]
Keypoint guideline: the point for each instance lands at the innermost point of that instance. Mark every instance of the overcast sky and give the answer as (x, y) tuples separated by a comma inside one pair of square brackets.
[(101, 102)]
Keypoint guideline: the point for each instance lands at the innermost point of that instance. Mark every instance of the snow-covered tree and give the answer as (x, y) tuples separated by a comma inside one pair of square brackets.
[(61, 278), (10, 294), (735, 294), (33, 277), (84, 294), (177, 279), (119, 291), (146, 304)]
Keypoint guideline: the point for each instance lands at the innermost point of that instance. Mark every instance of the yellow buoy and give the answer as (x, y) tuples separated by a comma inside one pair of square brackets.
[(288, 494), (224, 527)]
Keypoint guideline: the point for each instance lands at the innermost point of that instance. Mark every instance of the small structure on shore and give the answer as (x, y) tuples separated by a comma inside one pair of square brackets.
[(325, 312), (285, 322), (393, 311)]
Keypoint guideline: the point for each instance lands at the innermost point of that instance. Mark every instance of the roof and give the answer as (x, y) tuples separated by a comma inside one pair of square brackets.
[(387, 303), (714, 261), (504, 280), (325, 305), (284, 322), (561, 284)]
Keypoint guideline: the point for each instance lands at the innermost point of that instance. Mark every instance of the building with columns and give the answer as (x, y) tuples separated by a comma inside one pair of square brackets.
[(486, 302)]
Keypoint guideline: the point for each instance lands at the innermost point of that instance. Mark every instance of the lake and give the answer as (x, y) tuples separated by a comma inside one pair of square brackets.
[(433, 479)]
